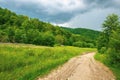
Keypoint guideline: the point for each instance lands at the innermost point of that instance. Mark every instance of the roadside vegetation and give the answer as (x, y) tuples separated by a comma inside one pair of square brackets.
[(104, 58), (109, 44), (26, 62)]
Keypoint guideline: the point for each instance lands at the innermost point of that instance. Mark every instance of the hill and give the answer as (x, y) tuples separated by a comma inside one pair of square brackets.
[(22, 29), (88, 33)]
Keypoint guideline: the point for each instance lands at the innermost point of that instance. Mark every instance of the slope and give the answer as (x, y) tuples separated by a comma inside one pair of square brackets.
[(87, 33)]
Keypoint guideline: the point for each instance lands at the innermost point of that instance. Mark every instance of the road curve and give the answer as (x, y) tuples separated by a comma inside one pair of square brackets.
[(83, 67)]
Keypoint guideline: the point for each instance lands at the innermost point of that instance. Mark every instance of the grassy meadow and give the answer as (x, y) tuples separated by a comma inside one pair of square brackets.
[(27, 62), (104, 58)]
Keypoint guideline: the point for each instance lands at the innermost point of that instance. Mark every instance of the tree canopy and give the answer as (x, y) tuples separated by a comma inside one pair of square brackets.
[(22, 29), (109, 40)]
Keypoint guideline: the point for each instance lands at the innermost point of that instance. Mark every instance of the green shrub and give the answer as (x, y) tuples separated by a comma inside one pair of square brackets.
[(102, 50), (107, 60), (83, 44)]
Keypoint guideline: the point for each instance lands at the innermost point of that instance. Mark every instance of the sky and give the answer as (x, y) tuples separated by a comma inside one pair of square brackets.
[(68, 13)]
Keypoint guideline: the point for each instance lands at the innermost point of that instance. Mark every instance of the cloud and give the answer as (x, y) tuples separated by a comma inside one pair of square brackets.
[(65, 12), (52, 11), (56, 6), (92, 20)]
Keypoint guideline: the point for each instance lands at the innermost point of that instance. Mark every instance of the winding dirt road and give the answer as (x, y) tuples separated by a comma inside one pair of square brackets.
[(81, 68)]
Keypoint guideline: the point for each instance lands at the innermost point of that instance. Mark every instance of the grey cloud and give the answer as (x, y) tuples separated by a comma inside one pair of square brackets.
[(92, 19), (39, 11), (60, 12), (102, 3)]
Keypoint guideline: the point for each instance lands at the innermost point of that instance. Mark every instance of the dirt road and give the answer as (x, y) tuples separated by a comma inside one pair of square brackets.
[(81, 68)]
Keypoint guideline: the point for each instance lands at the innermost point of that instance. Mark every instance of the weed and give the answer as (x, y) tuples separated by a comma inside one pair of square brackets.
[(27, 62)]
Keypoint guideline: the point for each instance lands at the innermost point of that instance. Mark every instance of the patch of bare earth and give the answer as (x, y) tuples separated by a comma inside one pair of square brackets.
[(83, 67)]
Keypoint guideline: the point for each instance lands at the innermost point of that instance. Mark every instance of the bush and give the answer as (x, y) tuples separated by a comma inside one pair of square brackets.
[(48, 39), (78, 44), (83, 44), (102, 50), (57, 45), (90, 45), (114, 56)]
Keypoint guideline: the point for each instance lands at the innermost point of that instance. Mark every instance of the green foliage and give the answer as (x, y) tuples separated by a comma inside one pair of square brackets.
[(48, 39), (3, 36), (115, 46), (110, 24), (104, 58), (27, 62), (87, 33), (78, 44), (109, 41), (101, 43), (102, 50), (83, 44), (22, 29), (83, 35), (59, 39)]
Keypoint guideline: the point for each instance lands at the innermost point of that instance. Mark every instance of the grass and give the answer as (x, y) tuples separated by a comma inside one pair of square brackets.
[(27, 62), (105, 59)]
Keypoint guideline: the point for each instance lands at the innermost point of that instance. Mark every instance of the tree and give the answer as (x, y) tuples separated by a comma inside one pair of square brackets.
[(22, 29), (20, 36), (110, 24), (3, 36), (59, 39), (38, 39), (114, 46), (48, 39), (109, 41), (11, 34)]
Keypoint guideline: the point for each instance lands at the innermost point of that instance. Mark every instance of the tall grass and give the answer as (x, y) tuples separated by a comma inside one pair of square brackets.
[(27, 62), (104, 58)]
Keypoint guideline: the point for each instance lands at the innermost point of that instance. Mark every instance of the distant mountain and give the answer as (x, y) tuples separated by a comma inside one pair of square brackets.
[(88, 33)]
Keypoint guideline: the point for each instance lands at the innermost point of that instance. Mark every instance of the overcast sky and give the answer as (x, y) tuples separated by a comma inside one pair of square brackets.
[(69, 13)]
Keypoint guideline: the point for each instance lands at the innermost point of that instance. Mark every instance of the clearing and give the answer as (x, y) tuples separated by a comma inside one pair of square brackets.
[(83, 67)]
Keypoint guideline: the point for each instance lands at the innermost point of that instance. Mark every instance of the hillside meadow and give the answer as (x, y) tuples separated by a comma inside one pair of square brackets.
[(27, 62)]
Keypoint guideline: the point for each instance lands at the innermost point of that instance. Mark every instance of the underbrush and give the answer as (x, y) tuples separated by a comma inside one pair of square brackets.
[(104, 58), (27, 62)]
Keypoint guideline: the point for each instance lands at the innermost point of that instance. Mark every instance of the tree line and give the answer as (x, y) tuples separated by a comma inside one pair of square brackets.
[(22, 29)]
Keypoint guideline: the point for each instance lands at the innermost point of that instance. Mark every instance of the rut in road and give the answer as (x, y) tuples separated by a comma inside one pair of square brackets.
[(81, 68)]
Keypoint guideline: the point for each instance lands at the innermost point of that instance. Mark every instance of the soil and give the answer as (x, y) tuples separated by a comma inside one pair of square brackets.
[(83, 67)]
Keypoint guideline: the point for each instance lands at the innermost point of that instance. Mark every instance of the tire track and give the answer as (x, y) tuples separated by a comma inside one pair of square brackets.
[(81, 68)]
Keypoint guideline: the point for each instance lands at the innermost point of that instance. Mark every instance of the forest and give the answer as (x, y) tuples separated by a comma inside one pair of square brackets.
[(87, 33), (22, 29)]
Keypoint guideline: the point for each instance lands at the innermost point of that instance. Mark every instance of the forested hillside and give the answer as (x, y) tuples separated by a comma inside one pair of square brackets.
[(88, 33), (22, 29)]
